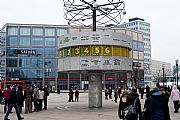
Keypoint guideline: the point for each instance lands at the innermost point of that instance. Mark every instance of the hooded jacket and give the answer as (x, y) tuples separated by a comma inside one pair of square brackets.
[(175, 95)]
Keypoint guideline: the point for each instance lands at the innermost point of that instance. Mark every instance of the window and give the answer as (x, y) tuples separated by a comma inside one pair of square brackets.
[(37, 63), (11, 52), (24, 31), (49, 32), (62, 31), (50, 52), (50, 41), (24, 62), (12, 31), (12, 62), (12, 41), (37, 32), (49, 62), (37, 41), (24, 41)]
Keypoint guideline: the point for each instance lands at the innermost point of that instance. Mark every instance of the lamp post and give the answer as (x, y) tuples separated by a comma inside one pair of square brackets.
[(177, 62), (163, 73), (11, 71)]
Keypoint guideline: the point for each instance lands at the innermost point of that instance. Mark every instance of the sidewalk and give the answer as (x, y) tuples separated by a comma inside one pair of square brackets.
[(60, 109)]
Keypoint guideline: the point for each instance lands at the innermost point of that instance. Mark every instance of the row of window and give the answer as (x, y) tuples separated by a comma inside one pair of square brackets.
[(27, 41), (37, 31), (129, 24), (94, 50), (30, 62), (139, 46), (29, 73)]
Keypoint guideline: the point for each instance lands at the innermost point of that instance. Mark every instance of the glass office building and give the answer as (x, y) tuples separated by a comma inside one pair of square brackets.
[(31, 53)]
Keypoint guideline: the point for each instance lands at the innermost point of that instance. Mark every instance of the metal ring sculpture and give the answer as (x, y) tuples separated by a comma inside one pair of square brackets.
[(81, 12)]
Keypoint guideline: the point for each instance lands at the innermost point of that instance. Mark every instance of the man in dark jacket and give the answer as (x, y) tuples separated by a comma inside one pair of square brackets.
[(13, 102), (46, 94)]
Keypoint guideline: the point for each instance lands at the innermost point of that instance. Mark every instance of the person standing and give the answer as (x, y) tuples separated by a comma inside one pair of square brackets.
[(35, 96), (110, 93), (41, 97), (77, 95), (175, 96), (71, 93), (13, 102), (6, 95), (106, 93), (157, 105), (27, 96), (46, 94), (20, 97), (115, 94), (142, 91), (119, 91)]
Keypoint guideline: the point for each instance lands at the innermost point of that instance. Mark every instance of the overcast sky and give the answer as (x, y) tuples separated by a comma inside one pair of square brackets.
[(163, 15)]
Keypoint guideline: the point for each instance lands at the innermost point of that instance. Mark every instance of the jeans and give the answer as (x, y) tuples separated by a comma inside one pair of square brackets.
[(11, 105)]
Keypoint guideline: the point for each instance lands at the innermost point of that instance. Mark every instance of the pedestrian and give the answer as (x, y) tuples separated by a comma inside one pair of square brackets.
[(110, 93), (147, 89), (166, 94), (35, 96), (175, 96), (20, 97), (106, 93), (13, 102), (71, 93), (122, 104), (142, 91), (119, 91), (133, 99), (40, 97), (77, 95), (6, 95), (157, 105), (46, 94), (58, 91), (116, 94), (28, 102), (1, 97), (146, 111)]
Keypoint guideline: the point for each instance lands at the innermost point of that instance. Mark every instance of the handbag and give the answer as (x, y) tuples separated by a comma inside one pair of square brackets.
[(129, 110)]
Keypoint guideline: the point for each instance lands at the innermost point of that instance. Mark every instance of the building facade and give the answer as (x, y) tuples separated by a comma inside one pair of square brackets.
[(139, 24), (31, 56), (157, 70), (2, 56)]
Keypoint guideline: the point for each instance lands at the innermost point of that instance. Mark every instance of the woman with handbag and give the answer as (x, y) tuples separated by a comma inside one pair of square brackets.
[(133, 106)]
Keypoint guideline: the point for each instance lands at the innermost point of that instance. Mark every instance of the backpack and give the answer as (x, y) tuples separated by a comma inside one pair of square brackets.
[(129, 111)]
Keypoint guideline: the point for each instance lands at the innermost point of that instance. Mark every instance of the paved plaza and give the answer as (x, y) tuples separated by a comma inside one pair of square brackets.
[(60, 109)]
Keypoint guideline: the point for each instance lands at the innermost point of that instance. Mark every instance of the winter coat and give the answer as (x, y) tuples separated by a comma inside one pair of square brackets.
[(20, 96), (175, 95), (157, 106), (13, 96), (6, 93), (41, 94)]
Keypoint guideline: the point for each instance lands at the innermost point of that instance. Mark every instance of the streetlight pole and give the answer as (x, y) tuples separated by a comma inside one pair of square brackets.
[(177, 62), (163, 73)]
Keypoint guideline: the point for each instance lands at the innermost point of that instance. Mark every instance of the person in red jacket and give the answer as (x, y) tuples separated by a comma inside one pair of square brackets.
[(6, 96)]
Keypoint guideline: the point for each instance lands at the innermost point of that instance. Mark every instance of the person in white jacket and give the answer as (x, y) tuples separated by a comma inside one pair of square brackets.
[(175, 96), (40, 97)]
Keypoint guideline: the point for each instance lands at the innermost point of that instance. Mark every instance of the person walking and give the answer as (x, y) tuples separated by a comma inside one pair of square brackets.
[(142, 91), (122, 104), (77, 95), (27, 96), (116, 94), (106, 93), (147, 89), (166, 94), (41, 97), (20, 97), (175, 96), (157, 105), (6, 96), (110, 93), (147, 111), (133, 99), (119, 92), (13, 102), (46, 94)]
